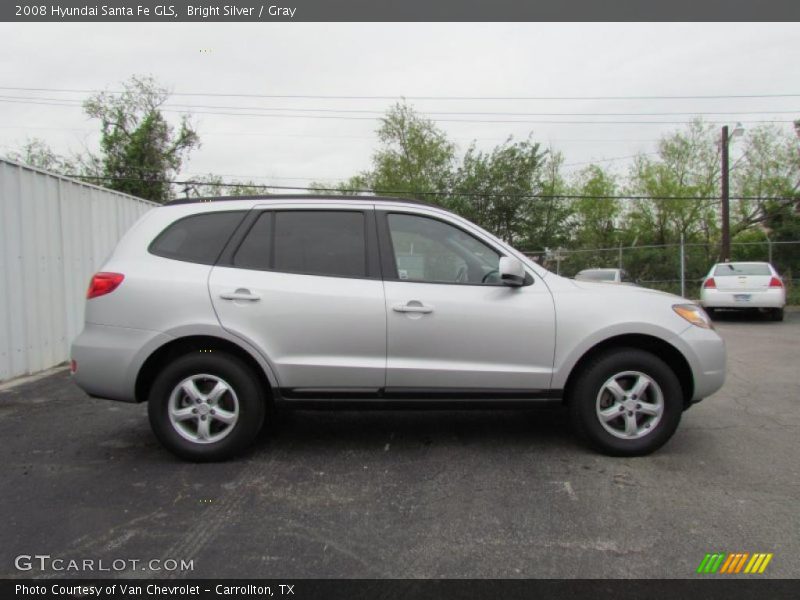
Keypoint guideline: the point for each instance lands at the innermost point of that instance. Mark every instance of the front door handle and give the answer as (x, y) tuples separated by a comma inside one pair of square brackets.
[(240, 294), (414, 306)]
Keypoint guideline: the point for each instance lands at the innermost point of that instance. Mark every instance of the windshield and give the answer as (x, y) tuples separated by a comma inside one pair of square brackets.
[(738, 269)]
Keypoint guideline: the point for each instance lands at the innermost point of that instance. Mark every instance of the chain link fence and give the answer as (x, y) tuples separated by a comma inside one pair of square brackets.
[(676, 268)]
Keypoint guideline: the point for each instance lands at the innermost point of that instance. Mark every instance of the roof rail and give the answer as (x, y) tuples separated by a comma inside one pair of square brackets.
[(318, 197)]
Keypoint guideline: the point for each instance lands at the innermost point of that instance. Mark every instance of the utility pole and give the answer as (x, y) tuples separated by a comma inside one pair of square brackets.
[(683, 267), (725, 249), (725, 142)]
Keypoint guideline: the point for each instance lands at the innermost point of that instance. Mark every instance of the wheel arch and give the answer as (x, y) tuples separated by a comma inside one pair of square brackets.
[(186, 345), (655, 345)]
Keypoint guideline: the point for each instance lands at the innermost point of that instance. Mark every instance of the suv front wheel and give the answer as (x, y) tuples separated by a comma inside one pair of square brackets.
[(626, 402), (206, 406)]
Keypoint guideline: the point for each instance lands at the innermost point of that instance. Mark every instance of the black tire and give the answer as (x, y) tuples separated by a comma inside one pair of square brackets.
[(583, 401), (776, 314), (239, 378)]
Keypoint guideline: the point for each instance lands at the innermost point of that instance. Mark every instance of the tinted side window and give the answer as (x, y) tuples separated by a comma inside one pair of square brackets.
[(198, 238), (255, 252), (320, 243), (429, 250)]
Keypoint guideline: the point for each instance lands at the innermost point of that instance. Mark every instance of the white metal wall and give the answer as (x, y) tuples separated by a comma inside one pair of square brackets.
[(55, 232)]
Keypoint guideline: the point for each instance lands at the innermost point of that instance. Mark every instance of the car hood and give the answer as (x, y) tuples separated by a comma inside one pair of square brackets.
[(620, 289)]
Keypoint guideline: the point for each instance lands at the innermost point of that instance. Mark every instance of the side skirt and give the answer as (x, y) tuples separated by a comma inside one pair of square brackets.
[(413, 398)]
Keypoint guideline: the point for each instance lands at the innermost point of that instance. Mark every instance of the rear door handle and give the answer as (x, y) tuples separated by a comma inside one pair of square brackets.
[(414, 306), (240, 294)]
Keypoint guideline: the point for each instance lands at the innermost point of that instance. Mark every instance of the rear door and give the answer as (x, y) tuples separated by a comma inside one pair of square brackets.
[(303, 286)]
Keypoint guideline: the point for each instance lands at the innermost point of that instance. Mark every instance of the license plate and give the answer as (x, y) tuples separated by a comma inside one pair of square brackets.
[(741, 297)]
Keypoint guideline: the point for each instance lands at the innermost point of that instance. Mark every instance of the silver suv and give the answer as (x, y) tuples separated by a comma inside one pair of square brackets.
[(215, 311)]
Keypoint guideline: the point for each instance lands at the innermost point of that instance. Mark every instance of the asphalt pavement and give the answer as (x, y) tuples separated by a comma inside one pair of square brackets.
[(412, 494)]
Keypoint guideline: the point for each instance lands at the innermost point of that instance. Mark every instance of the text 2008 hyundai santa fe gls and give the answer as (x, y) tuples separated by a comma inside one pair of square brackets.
[(214, 311)]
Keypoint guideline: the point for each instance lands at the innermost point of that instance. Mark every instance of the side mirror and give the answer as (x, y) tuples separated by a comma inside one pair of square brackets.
[(512, 273)]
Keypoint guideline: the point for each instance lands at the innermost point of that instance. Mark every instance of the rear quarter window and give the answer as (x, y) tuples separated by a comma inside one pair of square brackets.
[(197, 238)]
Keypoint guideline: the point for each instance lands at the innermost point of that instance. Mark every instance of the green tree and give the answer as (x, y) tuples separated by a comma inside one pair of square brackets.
[(140, 151), (684, 181), (769, 170), (37, 153), (596, 216), (488, 186), (549, 215), (687, 167), (209, 186), (414, 160), (353, 186), (495, 189)]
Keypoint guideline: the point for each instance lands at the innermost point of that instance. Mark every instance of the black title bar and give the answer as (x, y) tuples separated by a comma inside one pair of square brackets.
[(731, 588), (399, 10)]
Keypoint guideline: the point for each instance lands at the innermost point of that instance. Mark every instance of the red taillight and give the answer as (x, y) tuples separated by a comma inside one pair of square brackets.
[(104, 283), (710, 283), (775, 282)]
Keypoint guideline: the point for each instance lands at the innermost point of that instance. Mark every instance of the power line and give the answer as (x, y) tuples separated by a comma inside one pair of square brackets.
[(456, 113), (439, 120), (427, 193), (332, 178), (484, 121), (407, 97), (599, 160), (270, 134)]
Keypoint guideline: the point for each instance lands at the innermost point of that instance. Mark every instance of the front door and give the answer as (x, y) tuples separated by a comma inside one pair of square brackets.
[(452, 326)]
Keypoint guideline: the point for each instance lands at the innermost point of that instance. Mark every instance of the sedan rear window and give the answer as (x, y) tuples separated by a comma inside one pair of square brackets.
[(739, 269)]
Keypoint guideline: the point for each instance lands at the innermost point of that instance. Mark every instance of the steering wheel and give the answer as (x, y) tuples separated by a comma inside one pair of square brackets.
[(492, 272)]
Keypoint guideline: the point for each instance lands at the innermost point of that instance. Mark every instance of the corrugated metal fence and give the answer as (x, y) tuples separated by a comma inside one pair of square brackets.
[(55, 232)]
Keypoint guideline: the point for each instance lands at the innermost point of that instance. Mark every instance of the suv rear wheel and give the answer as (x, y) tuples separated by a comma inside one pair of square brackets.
[(206, 407), (626, 402)]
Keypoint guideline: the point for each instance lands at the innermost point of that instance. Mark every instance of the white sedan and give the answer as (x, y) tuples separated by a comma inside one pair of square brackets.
[(744, 285), (606, 276)]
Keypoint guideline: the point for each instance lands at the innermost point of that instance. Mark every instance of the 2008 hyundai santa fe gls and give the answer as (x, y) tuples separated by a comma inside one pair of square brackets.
[(215, 311)]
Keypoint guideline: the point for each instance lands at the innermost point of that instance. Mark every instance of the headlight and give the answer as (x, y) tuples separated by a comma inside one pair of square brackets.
[(694, 314)]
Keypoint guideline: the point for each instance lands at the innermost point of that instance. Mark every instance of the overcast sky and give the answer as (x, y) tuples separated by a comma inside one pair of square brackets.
[(398, 59)]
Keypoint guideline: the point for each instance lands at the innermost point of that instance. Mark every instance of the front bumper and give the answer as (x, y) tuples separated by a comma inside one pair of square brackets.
[(108, 359), (705, 352)]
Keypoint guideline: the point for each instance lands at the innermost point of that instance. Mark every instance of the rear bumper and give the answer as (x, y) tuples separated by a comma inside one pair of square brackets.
[(771, 298), (108, 359)]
